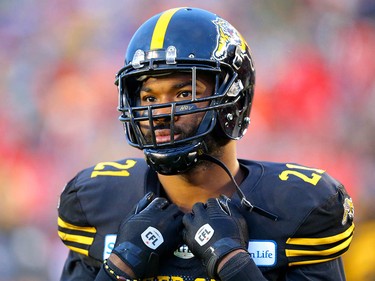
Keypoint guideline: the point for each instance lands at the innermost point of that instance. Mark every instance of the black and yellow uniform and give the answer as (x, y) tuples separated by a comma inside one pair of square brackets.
[(314, 226)]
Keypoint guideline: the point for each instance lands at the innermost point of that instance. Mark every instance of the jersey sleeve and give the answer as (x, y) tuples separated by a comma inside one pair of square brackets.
[(95, 201), (326, 232), (73, 228)]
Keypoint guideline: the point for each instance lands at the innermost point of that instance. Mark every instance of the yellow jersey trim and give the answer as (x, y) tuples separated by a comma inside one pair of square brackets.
[(327, 252), (76, 238), (78, 250), (321, 241), (64, 224)]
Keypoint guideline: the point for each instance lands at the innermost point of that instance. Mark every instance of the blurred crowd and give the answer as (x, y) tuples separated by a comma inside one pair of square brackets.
[(314, 104)]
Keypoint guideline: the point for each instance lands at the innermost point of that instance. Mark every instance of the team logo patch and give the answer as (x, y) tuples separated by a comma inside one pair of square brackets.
[(263, 252), (204, 234), (348, 210), (227, 35), (183, 252), (152, 237)]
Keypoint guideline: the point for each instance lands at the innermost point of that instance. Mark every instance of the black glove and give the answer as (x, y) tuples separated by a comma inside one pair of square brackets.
[(148, 232), (213, 230)]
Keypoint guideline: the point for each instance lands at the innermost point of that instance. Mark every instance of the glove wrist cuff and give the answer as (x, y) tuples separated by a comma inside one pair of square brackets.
[(216, 253), (132, 256)]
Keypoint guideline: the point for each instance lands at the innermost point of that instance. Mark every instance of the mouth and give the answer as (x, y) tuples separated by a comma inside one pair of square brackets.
[(163, 136)]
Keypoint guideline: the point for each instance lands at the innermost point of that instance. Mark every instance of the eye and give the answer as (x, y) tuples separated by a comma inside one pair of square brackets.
[(184, 94), (148, 99)]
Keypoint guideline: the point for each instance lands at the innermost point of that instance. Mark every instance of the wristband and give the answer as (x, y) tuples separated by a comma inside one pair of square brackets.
[(114, 272)]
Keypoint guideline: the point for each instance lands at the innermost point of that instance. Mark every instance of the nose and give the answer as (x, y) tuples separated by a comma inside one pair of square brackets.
[(165, 114)]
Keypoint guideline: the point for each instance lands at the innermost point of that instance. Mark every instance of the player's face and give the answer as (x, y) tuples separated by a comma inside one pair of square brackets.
[(168, 89)]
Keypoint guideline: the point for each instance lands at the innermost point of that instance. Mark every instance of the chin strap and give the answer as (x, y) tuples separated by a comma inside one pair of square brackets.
[(174, 161), (244, 202)]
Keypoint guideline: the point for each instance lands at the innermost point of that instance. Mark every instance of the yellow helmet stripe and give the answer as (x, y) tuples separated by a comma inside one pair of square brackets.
[(161, 26)]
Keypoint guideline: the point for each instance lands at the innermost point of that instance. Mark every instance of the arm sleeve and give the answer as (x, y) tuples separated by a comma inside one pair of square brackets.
[(78, 267)]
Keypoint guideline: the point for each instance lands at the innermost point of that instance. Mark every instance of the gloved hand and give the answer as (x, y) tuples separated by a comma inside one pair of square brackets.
[(148, 232), (213, 230)]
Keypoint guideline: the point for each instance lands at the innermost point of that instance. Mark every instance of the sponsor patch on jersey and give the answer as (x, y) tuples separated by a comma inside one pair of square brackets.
[(263, 252), (204, 234), (183, 252), (109, 244), (152, 237)]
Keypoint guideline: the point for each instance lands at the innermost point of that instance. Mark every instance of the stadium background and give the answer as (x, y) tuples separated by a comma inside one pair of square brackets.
[(314, 104)]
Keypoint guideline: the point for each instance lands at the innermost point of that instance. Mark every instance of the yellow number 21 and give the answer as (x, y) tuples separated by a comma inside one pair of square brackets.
[(312, 178), (113, 169)]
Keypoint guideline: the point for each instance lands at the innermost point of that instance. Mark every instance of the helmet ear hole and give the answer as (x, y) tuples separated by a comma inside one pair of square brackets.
[(234, 119), (228, 118), (234, 52)]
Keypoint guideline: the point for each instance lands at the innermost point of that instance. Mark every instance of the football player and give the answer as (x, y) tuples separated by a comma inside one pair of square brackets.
[(191, 210)]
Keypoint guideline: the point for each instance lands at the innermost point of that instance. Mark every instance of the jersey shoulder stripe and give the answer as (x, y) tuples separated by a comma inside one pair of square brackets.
[(77, 238), (313, 250)]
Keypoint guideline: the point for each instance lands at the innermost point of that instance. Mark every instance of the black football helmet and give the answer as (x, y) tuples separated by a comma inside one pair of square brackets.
[(197, 42)]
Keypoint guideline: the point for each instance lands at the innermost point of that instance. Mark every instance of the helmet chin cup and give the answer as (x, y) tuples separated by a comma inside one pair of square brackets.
[(176, 160)]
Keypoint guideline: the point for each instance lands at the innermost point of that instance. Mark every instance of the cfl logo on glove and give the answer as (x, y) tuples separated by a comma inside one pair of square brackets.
[(152, 237), (204, 234)]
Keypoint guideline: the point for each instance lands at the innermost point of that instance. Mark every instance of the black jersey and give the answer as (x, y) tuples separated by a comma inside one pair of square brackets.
[(313, 228)]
